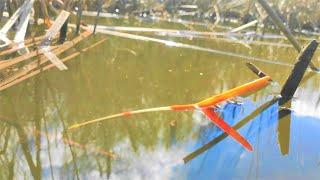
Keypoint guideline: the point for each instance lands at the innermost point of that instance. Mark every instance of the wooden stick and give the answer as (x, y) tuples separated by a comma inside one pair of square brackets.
[(52, 32), (249, 24)]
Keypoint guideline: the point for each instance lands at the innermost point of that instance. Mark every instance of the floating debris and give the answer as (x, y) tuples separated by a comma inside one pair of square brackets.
[(23, 13), (249, 24), (102, 14), (33, 69), (52, 32)]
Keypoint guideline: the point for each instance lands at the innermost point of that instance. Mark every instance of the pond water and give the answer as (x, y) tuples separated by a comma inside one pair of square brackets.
[(123, 74)]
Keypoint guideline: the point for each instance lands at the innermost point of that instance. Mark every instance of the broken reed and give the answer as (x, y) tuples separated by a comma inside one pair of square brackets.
[(47, 67), (34, 65)]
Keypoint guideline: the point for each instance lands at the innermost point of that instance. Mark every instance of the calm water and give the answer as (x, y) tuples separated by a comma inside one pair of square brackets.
[(123, 74)]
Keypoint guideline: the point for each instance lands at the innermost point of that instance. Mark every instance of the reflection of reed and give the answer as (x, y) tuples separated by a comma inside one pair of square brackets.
[(284, 130), (6, 138), (48, 141), (73, 154), (90, 149)]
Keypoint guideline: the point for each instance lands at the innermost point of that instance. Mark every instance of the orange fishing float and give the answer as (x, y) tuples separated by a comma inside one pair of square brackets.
[(240, 90), (204, 106)]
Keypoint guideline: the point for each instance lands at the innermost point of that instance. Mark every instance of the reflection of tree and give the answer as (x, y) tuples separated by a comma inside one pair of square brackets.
[(23, 133), (24, 144)]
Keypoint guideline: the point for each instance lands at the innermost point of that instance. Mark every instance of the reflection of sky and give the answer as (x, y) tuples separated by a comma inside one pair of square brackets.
[(228, 160), (308, 103), (159, 164)]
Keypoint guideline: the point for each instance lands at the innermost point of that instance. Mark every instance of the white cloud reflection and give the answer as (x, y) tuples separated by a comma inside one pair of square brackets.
[(146, 164), (307, 103)]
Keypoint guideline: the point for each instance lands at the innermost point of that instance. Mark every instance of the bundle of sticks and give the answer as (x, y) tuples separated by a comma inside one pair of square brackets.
[(26, 66)]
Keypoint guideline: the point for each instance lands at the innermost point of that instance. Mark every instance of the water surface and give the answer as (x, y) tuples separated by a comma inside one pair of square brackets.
[(123, 74)]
